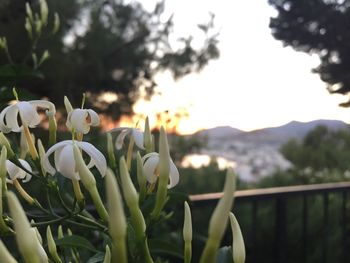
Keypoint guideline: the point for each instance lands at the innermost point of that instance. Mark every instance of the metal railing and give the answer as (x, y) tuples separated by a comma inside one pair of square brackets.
[(280, 198)]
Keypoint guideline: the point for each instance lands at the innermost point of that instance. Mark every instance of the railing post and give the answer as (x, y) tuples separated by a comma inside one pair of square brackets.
[(281, 230), (304, 228), (325, 227)]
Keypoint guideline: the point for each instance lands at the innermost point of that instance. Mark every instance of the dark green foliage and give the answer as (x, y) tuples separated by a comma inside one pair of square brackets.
[(318, 27), (101, 46)]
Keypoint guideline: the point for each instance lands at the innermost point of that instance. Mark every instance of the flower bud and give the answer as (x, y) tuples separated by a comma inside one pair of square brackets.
[(5, 255), (60, 232), (219, 219), (6, 143), (147, 137), (110, 150), (52, 246), (44, 57), (29, 12), (164, 168), (187, 233), (3, 227), (40, 239), (68, 105), (29, 29), (41, 156), (117, 224), (56, 24), (27, 241), (3, 170), (44, 12), (141, 178), (107, 258), (238, 248)]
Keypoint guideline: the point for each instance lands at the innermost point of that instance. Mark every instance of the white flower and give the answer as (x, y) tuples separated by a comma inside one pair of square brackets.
[(150, 167), (16, 172), (124, 131), (81, 119), (27, 111), (65, 161)]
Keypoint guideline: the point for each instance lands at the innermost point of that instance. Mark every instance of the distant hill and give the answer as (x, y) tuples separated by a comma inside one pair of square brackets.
[(274, 136), (256, 154)]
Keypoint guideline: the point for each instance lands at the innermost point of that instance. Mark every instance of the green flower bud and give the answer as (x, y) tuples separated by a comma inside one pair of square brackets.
[(29, 28), (141, 178), (5, 255), (56, 24), (27, 241), (110, 149), (44, 57), (107, 258), (238, 248), (3, 170), (164, 167), (187, 233), (147, 137), (68, 105), (29, 12), (52, 246), (44, 12), (117, 224), (60, 232), (6, 143), (219, 219)]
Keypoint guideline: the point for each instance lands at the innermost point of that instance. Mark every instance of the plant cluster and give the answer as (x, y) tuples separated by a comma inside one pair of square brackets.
[(70, 218)]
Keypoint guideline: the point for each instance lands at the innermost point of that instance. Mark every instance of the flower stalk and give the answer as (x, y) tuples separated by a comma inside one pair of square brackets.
[(164, 168), (187, 233)]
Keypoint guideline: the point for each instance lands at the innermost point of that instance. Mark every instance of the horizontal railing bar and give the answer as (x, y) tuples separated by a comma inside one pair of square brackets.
[(275, 191)]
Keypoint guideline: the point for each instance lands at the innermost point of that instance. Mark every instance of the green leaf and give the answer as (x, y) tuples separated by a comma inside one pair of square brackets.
[(98, 257), (75, 241), (224, 255), (10, 74), (161, 246)]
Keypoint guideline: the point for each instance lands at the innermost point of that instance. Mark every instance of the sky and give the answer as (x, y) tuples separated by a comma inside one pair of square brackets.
[(256, 82)]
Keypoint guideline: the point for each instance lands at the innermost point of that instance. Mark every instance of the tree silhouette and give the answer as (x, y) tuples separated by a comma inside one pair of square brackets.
[(318, 27), (102, 46)]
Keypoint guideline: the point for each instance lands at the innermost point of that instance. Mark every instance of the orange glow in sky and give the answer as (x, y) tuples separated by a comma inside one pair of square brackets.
[(255, 83)]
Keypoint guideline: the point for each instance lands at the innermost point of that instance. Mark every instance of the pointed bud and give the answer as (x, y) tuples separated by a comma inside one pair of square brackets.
[(3, 227), (44, 57), (218, 220), (3, 170), (68, 105), (141, 178), (147, 137), (110, 150), (41, 156), (6, 143), (44, 12), (5, 255), (56, 24), (60, 232), (107, 258), (27, 241), (187, 233), (117, 224), (38, 235), (29, 12), (52, 245), (29, 28), (238, 248), (164, 167), (129, 191)]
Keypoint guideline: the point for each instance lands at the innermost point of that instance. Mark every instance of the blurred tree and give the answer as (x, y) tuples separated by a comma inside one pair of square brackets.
[(321, 149), (318, 27), (101, 46)]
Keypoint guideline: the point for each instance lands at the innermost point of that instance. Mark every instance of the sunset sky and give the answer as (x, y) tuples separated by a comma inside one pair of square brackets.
[(255, 83)]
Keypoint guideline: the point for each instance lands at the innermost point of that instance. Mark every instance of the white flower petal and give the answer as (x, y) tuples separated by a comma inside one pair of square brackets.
[(95, 119), (174, 175), (57, 147), (28, 113), (66, 163), (44, 104), (78, 121), (28, 168), (120, 139), (138, 137), (16, 172), (150, 167), (3, 127), (96, 156), (11, 118), (148, 155)]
